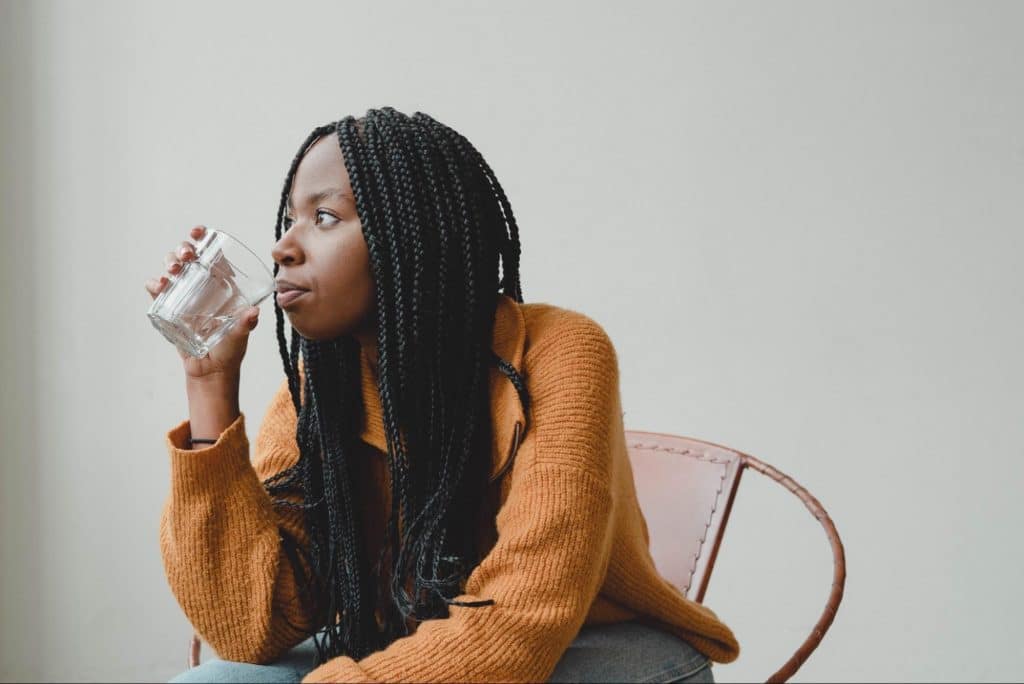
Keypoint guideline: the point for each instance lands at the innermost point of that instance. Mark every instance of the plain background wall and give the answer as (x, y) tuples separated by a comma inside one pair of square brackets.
[(800, 223)]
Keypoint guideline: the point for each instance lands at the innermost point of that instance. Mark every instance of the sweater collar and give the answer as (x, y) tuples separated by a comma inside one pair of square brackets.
[(507, 417)]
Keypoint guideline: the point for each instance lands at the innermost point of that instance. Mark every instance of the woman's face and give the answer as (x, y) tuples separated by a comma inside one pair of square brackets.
[(323, 250)]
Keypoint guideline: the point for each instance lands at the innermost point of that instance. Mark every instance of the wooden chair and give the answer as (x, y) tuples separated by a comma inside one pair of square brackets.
[(686, 489)]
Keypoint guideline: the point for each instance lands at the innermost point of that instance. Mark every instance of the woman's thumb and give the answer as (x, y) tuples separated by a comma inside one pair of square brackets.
[(250, 317)]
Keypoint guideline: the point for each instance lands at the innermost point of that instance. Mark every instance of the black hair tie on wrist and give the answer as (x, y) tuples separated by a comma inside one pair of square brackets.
[(200, 441)]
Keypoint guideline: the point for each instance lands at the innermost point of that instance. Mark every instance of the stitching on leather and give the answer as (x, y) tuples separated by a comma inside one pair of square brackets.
[(700, 456)]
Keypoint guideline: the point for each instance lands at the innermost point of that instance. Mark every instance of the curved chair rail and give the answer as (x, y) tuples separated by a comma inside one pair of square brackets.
[(839, 566)]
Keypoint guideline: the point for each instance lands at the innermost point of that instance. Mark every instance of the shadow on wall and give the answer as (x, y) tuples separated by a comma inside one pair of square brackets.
[(20, 492)]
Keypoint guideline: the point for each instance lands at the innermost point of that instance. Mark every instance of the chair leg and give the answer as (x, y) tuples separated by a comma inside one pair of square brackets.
[(193, 652)]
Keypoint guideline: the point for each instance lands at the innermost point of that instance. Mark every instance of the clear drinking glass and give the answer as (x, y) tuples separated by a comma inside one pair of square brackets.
[(204, 300)]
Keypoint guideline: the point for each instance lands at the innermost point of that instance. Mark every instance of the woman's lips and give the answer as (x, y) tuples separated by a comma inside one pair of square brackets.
[(288, 296)]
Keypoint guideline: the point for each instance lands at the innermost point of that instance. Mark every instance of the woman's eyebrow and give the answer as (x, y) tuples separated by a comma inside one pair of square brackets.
[(322, 195)]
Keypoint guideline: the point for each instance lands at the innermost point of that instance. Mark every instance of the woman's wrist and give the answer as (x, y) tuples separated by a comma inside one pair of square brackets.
[(212, 384), (213, 406)]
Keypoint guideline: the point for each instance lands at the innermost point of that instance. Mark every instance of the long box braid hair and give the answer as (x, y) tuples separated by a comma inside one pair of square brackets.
[(436, 222)]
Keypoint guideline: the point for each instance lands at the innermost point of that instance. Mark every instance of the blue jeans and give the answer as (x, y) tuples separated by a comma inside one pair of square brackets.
[(622, 652)]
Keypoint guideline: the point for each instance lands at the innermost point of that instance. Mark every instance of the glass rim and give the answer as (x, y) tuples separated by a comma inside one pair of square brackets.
[(208, 236)]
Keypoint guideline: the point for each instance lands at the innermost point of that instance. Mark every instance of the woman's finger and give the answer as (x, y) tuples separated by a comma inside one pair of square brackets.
[(186, 251), (155, 285), (172, 262)]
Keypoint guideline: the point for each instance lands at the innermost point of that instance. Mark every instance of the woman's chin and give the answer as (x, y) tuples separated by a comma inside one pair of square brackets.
[(296, 324), (314, 335), (300, 322)]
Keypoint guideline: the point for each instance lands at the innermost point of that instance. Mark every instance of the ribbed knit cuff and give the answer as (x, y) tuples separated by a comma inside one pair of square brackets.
[(216, 463)]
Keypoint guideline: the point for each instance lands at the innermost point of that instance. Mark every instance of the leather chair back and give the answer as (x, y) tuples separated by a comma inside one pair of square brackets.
[(686, 488)]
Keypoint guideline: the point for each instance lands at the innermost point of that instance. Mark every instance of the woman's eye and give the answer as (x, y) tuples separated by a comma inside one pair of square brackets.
[(288, 221), (321, 211)]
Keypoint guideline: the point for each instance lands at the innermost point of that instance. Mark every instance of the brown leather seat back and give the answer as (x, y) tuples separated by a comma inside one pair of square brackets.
[(686, 489)]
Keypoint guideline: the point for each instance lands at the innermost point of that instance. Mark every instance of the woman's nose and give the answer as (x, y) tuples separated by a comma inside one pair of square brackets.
[(286, 251)]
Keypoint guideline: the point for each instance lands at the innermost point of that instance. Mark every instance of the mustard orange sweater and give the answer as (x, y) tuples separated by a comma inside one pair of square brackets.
[(570, 544)]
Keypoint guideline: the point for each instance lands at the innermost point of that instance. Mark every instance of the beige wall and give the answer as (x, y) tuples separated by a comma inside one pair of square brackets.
[(799, 222)]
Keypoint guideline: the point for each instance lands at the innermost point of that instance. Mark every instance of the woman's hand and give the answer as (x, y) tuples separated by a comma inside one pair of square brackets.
[(225, 359)]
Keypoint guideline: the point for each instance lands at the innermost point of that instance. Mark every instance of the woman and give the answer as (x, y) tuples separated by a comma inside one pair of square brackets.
[(440, 490)]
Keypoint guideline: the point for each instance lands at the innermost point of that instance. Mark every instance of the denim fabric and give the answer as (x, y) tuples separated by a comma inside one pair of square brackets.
[(622, 652)]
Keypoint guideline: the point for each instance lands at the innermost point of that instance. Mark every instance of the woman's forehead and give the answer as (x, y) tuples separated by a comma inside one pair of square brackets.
[(321, 174)]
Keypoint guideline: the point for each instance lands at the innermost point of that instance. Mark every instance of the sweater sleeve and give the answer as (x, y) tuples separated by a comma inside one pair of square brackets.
[(553, 545), (220, 538)]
